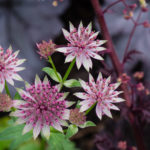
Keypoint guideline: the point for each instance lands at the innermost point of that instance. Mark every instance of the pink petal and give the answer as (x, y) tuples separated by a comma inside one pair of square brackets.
[(37, 129), (27, 128), (81, 95), (99, 111)]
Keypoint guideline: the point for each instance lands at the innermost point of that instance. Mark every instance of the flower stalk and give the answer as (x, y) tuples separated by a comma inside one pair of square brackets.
[(119, 69)]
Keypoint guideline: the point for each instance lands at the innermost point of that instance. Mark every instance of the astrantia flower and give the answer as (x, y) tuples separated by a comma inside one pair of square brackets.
[(9, 67), (46, 48), (101, 92), (82, 45), (5, 102), (42, 106)]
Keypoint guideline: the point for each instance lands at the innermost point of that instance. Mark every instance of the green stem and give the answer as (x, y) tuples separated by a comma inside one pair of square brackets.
[(52, 63), (68, 72), (6, 88), (90, 108)]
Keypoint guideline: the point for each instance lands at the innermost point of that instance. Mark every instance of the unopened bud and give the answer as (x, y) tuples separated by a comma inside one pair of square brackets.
[(76, 117), (5, 102)]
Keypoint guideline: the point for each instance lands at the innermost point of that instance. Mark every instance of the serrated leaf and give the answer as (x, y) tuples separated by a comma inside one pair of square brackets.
[(72, 83), (72, 130), (11, 132), (88, 124), (20, 140), (52, 74)]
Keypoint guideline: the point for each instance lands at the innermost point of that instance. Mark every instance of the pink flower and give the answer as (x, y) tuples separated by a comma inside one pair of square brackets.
[(43, 106), (82, 46), (46, 48), (9, 67), (101, 92)]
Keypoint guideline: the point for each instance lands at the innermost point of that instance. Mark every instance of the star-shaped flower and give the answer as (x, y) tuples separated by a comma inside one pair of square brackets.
[(9, 66), (101, 92), (82, 45), (42, 106)]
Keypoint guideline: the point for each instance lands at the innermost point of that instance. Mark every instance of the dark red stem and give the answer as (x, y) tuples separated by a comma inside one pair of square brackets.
[(119, 69), (111, 5)]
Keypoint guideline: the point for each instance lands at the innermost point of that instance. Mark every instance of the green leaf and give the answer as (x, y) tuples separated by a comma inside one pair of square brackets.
[(11, 132), (72, 83), (20, 140), (72, 130), (17, 96), (33, 145), (52, 74), (58, 141), (77, 105), (88, 124)]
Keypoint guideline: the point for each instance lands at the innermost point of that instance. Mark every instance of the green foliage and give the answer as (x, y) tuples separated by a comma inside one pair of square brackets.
[(20, 140), (58, 141), (72, 130), (17, 96), (88, 124), (52, 74), (11, 132), (72, 83)]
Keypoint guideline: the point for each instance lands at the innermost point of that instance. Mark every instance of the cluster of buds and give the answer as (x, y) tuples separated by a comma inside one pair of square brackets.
[(128, 13), (143, 5), (55, 2), (76, 117), (146, 24), (46, 48), (124, 78), (140, 86), (122, 145), (5, 102), (138, 75)]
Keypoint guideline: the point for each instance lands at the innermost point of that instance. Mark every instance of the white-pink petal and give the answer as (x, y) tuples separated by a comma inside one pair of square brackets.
[(36, 129)]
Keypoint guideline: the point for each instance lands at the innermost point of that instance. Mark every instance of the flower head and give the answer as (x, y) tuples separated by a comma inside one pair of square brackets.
[(82, 45), (42, 106), (76, 117), (5, 102), (101, 92), (9, 67), (46, 48)]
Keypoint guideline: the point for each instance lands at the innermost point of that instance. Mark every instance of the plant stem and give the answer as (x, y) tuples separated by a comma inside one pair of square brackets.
[(90, 108), (52, 63), (111, 5), (131, 35), (119, 69), (7, 89), (68, 71)]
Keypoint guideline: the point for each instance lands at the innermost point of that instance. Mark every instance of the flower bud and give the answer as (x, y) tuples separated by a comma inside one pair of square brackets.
[(46, 48), (76, 117), (5, 102)]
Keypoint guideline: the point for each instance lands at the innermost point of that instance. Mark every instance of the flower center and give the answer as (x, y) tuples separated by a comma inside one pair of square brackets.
[(2, 67)]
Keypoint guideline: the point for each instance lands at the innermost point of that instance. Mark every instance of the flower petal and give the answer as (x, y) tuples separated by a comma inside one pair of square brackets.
[(46, 131), (37, 129)]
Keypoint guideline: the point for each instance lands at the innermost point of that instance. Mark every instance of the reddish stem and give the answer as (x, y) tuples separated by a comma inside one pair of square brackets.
[(131, 35), (111, 5), (119, 69)]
